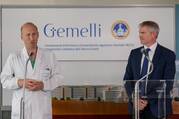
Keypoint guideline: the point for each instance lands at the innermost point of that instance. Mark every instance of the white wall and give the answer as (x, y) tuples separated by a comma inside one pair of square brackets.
[(85, 69)]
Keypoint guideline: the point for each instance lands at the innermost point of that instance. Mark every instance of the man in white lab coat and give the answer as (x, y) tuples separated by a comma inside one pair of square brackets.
[(42, 76)]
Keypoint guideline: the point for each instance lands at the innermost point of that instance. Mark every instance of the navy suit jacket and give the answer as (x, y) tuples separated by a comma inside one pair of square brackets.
[(164, 69)]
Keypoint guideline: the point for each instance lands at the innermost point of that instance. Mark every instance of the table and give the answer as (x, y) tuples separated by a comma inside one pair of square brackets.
[(76, 109)]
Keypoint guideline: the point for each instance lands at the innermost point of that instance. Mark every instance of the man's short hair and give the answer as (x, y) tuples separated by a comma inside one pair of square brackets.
[(154, 27)]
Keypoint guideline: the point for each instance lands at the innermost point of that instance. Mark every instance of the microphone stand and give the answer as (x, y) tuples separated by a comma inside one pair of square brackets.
[(136, 89), (22, 103)]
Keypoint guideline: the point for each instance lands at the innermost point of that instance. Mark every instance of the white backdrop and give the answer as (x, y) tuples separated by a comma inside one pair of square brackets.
[(99, 67), (99, 45)]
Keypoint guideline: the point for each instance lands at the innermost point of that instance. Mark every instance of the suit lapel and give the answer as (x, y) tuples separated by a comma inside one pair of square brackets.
[(156, 58)]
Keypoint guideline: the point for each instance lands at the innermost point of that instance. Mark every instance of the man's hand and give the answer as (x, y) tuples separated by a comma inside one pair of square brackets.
[(142, 104), (31, 84)]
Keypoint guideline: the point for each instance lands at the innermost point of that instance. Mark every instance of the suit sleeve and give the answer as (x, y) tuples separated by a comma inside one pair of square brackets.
[(128, 77), (169, 71), (8, 79)]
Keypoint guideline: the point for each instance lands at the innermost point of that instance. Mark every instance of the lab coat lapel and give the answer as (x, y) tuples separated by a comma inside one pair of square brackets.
[(29, 66), (37, 62)]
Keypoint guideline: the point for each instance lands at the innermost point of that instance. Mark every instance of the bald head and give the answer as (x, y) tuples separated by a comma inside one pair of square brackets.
[(28, 24), (29, 35)]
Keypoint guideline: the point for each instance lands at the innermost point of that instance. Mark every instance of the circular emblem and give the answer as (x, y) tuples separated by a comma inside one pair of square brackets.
[(120, 30)]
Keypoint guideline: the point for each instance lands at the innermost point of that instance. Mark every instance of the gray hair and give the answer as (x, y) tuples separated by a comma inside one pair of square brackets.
[(154, 27)]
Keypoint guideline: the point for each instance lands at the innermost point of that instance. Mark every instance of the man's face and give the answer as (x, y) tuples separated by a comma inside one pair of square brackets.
[(29, 35), (146, 36)]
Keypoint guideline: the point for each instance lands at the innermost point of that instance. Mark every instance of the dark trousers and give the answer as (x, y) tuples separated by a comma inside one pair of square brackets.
[(146, 114)]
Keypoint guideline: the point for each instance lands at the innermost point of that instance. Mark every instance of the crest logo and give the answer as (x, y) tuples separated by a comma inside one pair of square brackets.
[(120, 30)]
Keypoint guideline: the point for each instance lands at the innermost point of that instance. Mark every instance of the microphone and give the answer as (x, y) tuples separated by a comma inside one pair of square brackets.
[(143, 51), (136, 89), (22, 108)]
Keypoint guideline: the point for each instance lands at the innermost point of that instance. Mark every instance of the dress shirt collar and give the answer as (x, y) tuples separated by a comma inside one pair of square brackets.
[(152, 47)]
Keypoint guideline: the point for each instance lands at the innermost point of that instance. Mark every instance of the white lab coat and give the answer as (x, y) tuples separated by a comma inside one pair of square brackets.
[(37, 103)]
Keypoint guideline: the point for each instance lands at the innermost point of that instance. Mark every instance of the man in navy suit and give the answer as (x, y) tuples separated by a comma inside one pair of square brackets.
[(163, 61)]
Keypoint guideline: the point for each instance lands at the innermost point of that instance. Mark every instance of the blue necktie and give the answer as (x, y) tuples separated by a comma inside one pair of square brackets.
[(144, 72)]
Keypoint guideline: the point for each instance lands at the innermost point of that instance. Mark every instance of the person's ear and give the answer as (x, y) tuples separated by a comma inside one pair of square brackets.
[(37, 34), (154, 34), (21, 37)]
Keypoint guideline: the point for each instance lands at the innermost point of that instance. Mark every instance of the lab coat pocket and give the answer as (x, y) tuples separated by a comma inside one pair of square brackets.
[(45, 73), (16, 108), (46, 102)]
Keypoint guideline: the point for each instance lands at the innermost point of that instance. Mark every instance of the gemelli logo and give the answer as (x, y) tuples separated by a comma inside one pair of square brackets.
[(91, 30), (120, 30)]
